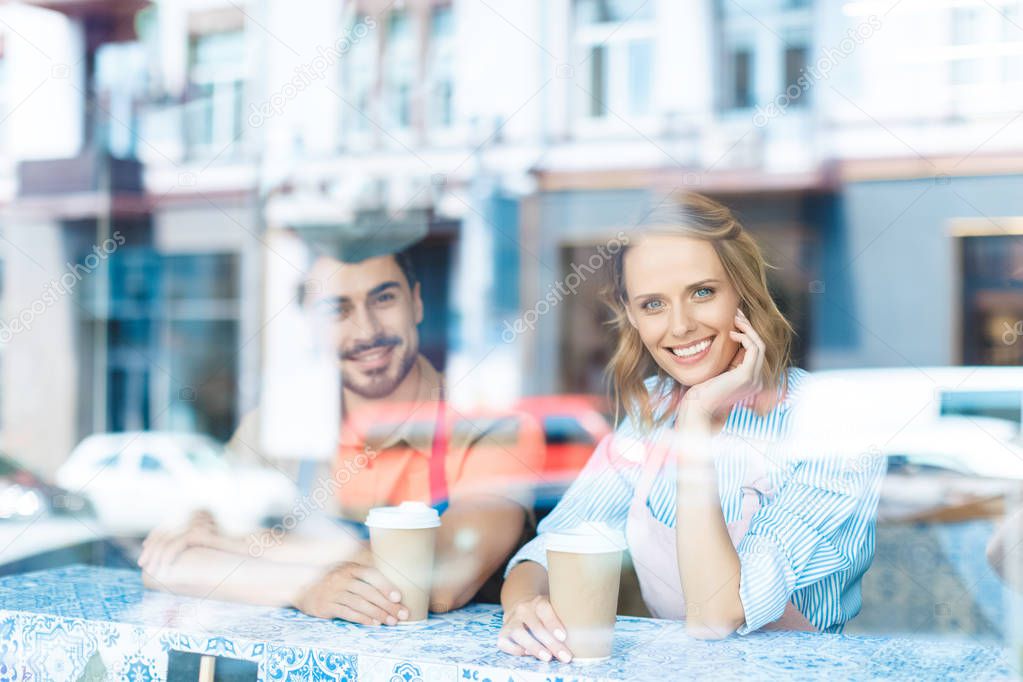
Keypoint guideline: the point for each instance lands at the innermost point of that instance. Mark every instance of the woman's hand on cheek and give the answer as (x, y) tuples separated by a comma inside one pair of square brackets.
[(707, 401)]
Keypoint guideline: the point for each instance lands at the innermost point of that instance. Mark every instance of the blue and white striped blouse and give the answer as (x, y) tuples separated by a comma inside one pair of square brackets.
[(810, 543)]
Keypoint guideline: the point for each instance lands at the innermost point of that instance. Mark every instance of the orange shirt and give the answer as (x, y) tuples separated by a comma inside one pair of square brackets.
[(384, 455)]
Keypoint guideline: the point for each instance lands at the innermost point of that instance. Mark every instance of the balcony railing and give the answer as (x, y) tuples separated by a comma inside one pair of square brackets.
[(211, 124)]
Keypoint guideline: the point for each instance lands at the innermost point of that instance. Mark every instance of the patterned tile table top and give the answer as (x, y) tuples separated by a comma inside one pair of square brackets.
[(56, 624)]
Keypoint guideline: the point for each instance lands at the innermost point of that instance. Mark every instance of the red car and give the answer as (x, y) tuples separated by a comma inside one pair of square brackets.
[(572, 425)]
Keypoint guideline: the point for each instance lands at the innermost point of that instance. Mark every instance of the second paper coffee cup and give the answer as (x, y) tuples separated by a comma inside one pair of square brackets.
[(584, 568), (402, 541)]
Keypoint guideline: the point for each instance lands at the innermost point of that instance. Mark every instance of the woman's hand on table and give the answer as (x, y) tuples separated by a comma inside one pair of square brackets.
[(531, 628), (163, 545), (354, 592)]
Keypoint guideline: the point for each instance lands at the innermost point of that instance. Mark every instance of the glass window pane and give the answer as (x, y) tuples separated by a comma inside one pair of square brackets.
[(598, 81), (795, 65), (641, 66), (600, 11), (151, 464), (741, 95), (441, 22)]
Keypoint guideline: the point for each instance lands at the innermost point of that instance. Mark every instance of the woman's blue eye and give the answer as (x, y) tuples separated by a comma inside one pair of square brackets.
[(708, 291), (651, 305)]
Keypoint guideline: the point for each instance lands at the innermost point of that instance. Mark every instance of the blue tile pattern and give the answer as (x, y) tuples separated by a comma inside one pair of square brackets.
[(53, 623)]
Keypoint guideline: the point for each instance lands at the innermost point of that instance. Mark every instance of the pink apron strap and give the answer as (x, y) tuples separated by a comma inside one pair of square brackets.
[(653, 461)]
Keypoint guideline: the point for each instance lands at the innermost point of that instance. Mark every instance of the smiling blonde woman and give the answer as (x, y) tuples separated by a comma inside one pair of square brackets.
[(714, 518)]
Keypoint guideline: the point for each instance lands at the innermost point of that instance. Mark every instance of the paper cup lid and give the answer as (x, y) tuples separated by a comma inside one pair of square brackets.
[(587, 538), (407, 515)]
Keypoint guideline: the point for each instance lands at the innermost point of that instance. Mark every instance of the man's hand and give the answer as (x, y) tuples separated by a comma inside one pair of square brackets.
[(355, 592), (164, 545)]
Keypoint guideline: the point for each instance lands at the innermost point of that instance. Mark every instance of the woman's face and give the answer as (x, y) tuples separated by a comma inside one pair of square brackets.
[(683, 305)]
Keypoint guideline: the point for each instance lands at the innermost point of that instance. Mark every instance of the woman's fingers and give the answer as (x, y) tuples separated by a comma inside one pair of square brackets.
[(509, 647), (519, 635), (550, 620), (546, 637), (747, 327), (749, 358)]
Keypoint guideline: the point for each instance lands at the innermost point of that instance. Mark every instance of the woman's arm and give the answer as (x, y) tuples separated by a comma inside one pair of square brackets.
[(602, 492), (708, 563), (524, 582)]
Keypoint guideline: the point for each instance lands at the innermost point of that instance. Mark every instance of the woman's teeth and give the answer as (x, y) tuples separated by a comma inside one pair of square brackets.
[(690, 351)]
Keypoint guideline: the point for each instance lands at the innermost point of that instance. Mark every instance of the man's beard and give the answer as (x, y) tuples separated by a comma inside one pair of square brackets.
[(379, 384)]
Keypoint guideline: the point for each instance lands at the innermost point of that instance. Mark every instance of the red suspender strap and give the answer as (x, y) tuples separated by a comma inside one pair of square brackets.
[(438, 458)]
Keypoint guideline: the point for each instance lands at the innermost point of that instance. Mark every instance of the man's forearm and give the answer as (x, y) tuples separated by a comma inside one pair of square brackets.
[(475, 538), (215, 574), (307, 551)]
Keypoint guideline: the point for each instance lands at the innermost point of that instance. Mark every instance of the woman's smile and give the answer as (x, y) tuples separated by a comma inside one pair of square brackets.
[(692, 353)]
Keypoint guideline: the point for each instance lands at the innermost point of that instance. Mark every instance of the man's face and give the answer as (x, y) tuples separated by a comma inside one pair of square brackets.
[(372, 315)]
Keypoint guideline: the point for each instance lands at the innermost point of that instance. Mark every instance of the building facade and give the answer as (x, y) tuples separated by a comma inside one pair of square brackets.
[(874, 148)]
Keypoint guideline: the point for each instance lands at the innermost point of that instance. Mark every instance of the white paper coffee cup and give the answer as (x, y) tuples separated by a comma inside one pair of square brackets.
[(586, 538), (407, 516)]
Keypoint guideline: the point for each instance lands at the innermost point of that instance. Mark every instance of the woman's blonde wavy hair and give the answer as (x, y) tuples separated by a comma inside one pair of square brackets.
[(694, 215)]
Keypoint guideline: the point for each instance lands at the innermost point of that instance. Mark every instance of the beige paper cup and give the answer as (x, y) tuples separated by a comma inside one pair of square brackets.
[(402, 540), (584, 568)]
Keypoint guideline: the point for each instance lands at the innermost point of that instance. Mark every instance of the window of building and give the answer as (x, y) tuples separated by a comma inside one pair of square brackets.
[(3, 79), (1012, 35), (172, 341), (400, 59), (739, 72), (603, 11), (795, 68), (358, 71), (441, 68), (214, 117), (992, 268), (615, 43)]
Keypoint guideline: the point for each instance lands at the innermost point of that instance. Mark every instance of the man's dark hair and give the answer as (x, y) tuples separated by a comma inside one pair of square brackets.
[(402, 258)]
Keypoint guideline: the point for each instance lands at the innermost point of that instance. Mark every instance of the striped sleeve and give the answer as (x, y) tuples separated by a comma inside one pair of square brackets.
[(602, 492), (817, 526)]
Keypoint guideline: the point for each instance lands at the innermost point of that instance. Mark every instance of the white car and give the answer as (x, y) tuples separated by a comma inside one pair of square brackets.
[(139, 480), (963, 419)]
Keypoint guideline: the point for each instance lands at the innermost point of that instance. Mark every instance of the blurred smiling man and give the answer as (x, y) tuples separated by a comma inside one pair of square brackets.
[(375, 331), (399, 442)]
